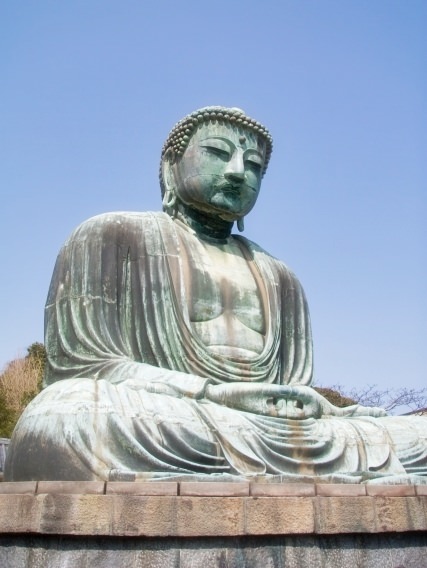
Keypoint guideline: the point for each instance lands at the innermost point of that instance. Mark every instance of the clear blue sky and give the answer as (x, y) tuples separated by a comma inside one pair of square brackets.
[(89, 90)]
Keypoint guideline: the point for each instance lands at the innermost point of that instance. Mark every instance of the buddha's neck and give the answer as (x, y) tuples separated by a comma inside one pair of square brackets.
[(204, 225)]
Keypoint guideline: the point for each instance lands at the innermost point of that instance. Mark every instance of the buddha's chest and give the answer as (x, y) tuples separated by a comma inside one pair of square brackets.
[(221, 285)]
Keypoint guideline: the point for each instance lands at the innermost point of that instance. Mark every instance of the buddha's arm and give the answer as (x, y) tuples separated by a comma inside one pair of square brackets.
[(157, 380), (108, 312)]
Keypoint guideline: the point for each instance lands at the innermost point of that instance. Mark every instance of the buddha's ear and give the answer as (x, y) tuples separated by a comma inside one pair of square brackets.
[(168, 180), (168, 174)]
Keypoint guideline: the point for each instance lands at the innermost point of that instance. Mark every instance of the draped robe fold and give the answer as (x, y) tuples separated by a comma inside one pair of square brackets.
[(126, 375)]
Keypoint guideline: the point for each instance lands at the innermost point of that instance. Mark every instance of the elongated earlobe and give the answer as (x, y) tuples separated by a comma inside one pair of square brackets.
[(168, 182), (241, 224), (169, 202)]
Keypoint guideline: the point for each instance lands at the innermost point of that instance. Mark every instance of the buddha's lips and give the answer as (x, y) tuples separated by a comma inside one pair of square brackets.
[(229, 187)]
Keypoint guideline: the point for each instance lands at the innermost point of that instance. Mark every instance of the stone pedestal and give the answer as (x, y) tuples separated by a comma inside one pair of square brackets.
[(168, 524)]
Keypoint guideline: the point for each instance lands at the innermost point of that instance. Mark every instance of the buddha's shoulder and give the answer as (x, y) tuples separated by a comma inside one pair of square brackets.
[(118, 224), (263, 257)]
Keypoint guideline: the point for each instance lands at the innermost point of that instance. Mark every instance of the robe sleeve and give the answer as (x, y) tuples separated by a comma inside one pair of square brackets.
[(102, 303), (297, 344)]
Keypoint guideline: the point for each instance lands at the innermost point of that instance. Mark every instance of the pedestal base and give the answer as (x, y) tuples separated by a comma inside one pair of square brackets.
[(408, 550), (56, 524)]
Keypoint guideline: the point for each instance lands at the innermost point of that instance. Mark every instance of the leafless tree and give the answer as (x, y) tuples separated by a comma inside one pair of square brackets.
[(394, 401)]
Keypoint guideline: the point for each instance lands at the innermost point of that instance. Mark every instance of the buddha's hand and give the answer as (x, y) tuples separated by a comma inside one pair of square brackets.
[(293, 402), (358, 410), (283, 401)]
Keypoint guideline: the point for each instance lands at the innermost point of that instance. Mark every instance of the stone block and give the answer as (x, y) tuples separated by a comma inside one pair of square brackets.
[(421, 489), (141, 488), (18, 514), (213, 489), (144, 515), (252, 552), (74, 514), (399, 515), (390, 490), (282, 489), (203, 516), (75, 487), (336, 515), (18, 487), (282, 515), (118, 515), (340, 490), (208, 557)]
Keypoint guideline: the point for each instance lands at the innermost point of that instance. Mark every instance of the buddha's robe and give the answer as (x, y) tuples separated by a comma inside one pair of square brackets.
[(126, 376)]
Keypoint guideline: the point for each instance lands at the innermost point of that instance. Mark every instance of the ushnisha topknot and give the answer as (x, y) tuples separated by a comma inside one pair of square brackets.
[(181, 133)]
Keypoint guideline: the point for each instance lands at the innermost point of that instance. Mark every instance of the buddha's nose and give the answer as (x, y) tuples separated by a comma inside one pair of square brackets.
[(235, 170)]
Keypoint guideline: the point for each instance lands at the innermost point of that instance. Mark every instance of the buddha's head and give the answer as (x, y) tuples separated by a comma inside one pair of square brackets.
[(213, 162)]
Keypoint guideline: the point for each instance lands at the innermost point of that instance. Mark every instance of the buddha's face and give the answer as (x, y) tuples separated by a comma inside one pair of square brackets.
[(220, 171)]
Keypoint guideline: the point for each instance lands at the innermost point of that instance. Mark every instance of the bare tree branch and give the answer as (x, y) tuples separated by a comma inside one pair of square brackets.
[(402, 399)]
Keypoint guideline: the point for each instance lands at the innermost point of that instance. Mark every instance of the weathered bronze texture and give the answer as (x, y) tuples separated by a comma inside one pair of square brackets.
[(179, 350)]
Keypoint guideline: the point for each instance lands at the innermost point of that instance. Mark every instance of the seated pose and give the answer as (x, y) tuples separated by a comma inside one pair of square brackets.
[(178, 349)]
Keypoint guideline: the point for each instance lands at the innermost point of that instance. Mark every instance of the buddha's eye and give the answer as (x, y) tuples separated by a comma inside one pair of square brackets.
[(220, 152), (217, 147), (253, 164), (254, 161), (216, 150)]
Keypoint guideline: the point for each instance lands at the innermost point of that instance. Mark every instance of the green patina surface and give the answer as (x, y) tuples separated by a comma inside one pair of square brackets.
[(176, 348)]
